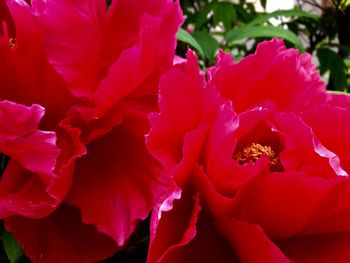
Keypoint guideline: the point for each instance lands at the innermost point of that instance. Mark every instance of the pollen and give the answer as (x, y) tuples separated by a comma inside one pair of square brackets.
[(12, 42), (253, 152)]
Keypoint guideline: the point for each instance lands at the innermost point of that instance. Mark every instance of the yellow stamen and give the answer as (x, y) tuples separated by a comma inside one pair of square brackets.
[(254, 152)]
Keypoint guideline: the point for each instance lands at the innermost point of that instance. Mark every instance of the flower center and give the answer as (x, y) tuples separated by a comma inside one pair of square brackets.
[(12, 42), (254, 152)]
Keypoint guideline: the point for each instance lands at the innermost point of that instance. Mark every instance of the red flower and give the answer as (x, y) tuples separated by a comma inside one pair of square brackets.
[(96, 73), (258, 154)]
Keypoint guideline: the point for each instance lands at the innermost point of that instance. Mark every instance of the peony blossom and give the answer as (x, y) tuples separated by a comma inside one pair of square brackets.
[(96, 73), (258, 153)]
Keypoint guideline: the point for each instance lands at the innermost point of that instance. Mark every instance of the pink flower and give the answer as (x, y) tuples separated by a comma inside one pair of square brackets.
[(109, 64), (258, 155)]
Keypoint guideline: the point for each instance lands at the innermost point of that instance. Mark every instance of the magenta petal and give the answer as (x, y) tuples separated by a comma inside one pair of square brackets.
[(122, 27), (26, 75), (325, 248), (303, 150), (336, 138), (141, 48), (116, 183), (208, 245), (24, 188), (175, 225), (182, 232), (280, 75), (60, 237), (36, 151), (289, 204), (223, 60), (129, 71), (73, 44), (24, 193), (125, 22), (251, 243), (281, 203), (18, 120), (181, 109), (339, 100)]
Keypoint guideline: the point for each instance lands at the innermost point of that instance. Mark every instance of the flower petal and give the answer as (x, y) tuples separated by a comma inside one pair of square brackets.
[(184, 234), (131, 69), (175, 227), (332, 247), (130, 14), (303, 150), (181, 109), (336, 138), (251, 243), (288, 203), (73, 50), (117, 182), (26, 75), (33, 153), (272, 73), (60, 237), (17, 120)]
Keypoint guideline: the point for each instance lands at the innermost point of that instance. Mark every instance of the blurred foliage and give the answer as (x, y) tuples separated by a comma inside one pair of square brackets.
[(237, 27)]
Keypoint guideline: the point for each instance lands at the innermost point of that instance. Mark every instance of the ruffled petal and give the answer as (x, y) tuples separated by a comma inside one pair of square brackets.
[(181, 109), (18, 120), (33, 153), (23, 192), (73, 44), (335, 138), (185, 106), (339, 100), (117, 182), (26, 75), (272, 73), (288, 204), (60, 237), (131, 14), (148, 50), (173, 222), (129, 71), (304, 151)]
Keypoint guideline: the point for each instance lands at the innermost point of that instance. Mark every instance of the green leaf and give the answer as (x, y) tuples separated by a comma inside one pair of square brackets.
[(207, 42), (12, 248), (243, 14), (202, 16), (263, 3), (329, 60), (224, 12), (264, 31), (284, 13), (187, 38)]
